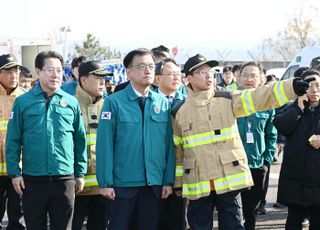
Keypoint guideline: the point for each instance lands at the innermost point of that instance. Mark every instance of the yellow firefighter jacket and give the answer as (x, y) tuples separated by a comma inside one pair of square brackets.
[(90, 113), (207, 143), (6, 103)]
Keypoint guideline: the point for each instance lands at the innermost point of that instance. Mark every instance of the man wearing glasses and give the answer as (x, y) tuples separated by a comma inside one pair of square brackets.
[(9, 90), (209, 152), (168, 76), (46, 130), (135, 158)]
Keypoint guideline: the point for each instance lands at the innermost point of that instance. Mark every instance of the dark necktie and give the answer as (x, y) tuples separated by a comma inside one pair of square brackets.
[(142, 102)]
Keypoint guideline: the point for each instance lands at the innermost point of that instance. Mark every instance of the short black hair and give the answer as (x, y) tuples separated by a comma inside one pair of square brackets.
[(39, 62), (252, 63), (25, 72), (127, 61), (160, 52), (309, 72), (227, 69), (159, 65), (77, 61), (271, 77), (236, 68), (299, 71), (161, 48)]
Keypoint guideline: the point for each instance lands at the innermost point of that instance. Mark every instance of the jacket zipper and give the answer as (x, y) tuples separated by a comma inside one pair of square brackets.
[(48, 99)]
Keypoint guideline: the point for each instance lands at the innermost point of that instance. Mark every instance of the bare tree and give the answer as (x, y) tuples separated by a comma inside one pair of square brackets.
[(301, 31)]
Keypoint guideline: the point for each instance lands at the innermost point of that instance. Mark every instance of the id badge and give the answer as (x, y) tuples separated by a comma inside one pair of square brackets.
[(250, 139)]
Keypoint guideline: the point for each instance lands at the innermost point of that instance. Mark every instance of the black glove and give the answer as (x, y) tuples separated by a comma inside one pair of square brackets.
[(300, 86)]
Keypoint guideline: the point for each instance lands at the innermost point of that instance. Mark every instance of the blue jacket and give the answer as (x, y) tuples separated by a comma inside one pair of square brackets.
[(51, 134), (133, 150), (264, 134)]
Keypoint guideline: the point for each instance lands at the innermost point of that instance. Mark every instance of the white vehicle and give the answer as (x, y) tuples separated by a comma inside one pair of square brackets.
[(278, 72), (303, 58)]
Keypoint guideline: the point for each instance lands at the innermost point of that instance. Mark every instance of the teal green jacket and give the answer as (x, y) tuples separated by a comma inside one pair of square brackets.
[(50, 133), (132, 149), (264, 134), (70, 87)]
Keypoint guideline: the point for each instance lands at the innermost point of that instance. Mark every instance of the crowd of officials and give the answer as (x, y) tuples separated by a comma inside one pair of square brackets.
[(160, 151)]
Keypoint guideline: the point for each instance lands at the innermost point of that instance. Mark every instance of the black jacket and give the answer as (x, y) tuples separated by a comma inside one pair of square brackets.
[(299, 181)]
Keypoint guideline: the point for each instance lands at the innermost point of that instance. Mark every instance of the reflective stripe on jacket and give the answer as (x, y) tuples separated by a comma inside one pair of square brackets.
[(207, 142), (6, 103), (90, 114)]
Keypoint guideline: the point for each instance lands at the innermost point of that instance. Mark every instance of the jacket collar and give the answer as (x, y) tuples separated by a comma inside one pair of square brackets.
[(200, 98), (133, 96), (37, 90), (83, 97), (16, 92)]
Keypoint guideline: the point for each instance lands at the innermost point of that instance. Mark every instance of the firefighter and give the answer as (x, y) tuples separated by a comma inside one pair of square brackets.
[(9, 90), (89, 93), (211, 164)]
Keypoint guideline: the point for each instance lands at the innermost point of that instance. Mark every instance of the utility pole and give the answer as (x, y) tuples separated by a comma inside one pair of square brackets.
[(65, 30)]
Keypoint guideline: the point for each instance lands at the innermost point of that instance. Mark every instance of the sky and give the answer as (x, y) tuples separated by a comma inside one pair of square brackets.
[(128, 24)]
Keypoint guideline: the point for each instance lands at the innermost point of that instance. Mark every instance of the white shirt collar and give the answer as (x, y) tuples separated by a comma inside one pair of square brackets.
[(139, 94), (171, 95)]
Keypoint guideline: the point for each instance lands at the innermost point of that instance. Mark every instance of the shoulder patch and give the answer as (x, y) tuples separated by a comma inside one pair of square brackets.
[(106, 115), (223, 94), (176, 108), (11, 116)]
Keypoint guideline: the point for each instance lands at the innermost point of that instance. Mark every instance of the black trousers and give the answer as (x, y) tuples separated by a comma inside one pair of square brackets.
[(95, 207), (10, 199), (200, 212), (296, 214), (265, 188), (173, 213), (53, 197), (141, 204), (251, 198)]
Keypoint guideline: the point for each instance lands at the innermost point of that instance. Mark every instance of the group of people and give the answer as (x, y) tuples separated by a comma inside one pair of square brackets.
[(142, 156)]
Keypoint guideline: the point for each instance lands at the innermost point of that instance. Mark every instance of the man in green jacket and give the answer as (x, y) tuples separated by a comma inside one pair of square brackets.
[(259, 137), (46, 130), (135, 158)]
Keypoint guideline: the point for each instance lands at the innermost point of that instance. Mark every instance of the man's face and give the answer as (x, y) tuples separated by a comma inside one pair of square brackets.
[(236, 74), (170, 79), (228, 77), (50, 76), (250, 77), (93, 85), (25, 82), (313, 92), (141, 71), (202, 78), (9, 78)]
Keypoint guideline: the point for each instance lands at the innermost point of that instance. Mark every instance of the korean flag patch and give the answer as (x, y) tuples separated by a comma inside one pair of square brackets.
[(11, 115), (106, 115)]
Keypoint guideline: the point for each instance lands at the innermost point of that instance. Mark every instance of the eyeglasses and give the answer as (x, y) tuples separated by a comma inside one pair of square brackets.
[(143, 66), (173, 74), (14, 70), (205, 73), (249, 77), (52, 70)]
